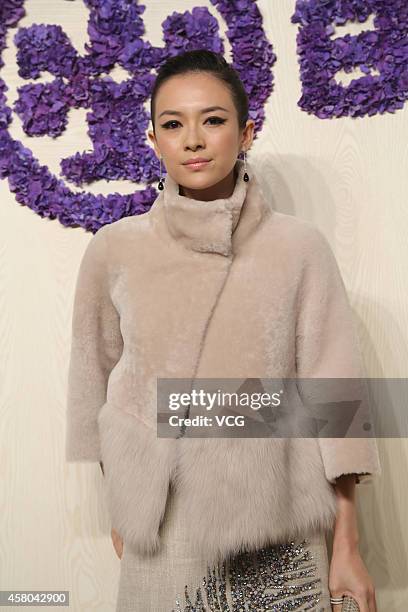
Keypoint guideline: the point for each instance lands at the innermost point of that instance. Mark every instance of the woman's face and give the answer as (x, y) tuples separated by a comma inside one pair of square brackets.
[(185, 129)]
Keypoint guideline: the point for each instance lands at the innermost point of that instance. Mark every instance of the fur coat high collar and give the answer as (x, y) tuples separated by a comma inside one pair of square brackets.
[(209, 227), (223, 289)]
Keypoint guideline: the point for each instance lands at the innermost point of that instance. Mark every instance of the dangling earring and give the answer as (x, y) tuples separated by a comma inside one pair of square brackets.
[(160, 185), (246, 177)]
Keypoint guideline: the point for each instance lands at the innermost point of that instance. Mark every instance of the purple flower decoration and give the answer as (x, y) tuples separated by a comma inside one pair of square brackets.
[(384, 49), (117, 120)]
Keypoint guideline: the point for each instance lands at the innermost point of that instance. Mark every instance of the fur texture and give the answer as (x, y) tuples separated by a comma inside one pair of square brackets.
[(221, 289)]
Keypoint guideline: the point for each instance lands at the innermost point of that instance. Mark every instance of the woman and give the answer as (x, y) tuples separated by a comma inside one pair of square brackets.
[(212, 283)]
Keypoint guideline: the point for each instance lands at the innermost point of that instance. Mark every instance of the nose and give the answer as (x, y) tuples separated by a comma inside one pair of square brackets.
[(194, 139)]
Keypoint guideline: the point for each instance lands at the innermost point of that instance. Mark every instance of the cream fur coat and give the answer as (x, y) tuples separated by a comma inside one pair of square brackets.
[(228, 288)]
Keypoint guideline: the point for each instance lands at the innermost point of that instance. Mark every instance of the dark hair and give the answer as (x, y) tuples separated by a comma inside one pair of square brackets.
[(203, 60)]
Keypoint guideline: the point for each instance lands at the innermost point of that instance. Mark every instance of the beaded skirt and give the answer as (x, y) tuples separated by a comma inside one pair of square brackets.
[(279, 578)]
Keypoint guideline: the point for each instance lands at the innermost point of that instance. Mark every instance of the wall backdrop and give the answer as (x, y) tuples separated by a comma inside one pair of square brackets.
[(328, 89)]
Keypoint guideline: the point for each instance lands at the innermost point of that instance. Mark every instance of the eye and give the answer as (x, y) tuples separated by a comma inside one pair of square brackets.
[(166, 126), (219, 121)]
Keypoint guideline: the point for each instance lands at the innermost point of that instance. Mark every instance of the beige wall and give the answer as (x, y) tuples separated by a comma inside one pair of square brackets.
[(347, 176)]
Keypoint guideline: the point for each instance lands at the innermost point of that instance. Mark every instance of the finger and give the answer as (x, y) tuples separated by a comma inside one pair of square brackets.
[(119, 547), (336, 607), (117, 542), (372, 604)]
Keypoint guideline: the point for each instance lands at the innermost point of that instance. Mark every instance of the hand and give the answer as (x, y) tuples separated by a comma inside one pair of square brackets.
[(117, 543), (349, 576)]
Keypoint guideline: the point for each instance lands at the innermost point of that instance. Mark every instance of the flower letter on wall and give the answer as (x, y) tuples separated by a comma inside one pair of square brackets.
[(384, 49)]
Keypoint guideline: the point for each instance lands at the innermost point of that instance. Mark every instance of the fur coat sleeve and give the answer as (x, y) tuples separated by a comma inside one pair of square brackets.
[(327, 346), (96, 346)]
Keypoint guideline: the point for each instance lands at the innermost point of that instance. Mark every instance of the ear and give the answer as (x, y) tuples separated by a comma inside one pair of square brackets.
[(248, 135), (152, 138)]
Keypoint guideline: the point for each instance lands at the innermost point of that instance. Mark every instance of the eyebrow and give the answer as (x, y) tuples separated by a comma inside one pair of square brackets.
[(204, 110)]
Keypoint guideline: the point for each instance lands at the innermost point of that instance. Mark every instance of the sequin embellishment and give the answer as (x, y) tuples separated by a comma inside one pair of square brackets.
[(279, 578)]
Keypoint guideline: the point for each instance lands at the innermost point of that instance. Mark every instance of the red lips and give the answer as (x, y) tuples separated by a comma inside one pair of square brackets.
[(196, 160)]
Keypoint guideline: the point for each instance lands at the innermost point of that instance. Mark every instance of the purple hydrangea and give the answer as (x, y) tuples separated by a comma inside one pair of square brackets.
[(383, 50)]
